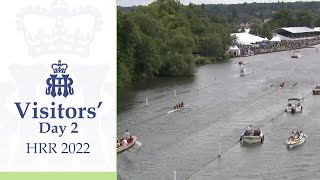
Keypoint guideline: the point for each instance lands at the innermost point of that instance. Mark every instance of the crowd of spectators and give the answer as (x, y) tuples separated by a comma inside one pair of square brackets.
[(269, 46)]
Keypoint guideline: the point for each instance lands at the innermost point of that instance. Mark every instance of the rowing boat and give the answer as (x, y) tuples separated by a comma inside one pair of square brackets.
[(122, 148), (174, 110)]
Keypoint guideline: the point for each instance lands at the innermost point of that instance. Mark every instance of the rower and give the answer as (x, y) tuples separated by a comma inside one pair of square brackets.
[(174, 107), (178, 105), (182, 104)]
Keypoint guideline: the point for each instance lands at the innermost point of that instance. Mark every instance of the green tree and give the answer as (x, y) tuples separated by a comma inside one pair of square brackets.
[(284, 18), (305, 18), (317, 22), (266, 31), (147, 55), (126, 43), (256, 27)]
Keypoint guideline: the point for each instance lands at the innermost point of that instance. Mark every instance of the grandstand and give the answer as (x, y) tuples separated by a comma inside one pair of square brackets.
[(297, 32)]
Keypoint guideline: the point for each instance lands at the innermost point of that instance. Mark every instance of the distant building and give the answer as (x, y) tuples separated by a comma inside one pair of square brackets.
[(296, 32), (245, 26)]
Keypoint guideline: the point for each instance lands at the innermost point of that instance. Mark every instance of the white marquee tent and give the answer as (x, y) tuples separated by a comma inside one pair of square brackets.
[(276, 38), (234, 50), (247, 39)]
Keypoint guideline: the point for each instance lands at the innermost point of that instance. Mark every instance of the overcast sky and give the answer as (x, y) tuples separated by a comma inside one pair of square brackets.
[(146, 2)]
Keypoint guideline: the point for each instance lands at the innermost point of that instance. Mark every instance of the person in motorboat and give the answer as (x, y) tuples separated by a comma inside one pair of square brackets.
[(124, 142), (297, 135), (126, 135), (118, 143), (129, 140), (250, 129), (247, 133), (289, 104)]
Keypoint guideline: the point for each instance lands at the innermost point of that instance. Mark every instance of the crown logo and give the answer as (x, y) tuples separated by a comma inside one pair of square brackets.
[(59, 84), (59, 68), (59, 29)]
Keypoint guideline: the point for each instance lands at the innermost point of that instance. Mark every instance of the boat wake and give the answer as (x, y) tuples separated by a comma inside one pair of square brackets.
[(138, 144), (134, 148)]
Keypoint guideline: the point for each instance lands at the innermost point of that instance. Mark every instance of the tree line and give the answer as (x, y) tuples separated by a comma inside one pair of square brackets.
[(167, 38)]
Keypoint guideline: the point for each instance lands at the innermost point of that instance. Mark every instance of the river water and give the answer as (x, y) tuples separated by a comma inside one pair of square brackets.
[(222, 105)]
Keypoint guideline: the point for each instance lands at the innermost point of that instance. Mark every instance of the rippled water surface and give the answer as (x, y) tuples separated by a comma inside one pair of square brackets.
[(222, 105)]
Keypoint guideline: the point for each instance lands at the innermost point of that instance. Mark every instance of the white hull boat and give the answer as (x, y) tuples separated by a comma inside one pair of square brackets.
[(174, 110), (252, 139), (122, 148), (292, 142), (294, 107), (296, 54)]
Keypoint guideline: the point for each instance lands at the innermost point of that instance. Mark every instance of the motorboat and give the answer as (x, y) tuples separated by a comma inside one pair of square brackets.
[(178, 109), (294, 105), (252, 136), (316, 90), (129, 145), (295, 140), (296, 54)]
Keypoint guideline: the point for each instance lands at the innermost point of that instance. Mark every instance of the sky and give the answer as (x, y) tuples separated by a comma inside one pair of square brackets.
[(127, 3)]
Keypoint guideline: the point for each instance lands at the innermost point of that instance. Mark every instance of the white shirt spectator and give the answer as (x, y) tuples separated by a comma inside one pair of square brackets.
[(124, 142), (126, 135)]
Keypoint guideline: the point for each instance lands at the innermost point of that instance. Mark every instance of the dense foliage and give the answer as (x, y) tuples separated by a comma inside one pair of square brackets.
[(167, 38)]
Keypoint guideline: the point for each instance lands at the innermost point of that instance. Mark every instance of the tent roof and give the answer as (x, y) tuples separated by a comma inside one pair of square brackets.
[(276, 38), (316, 28), (235, 47), (298, 29), (245, 38)]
